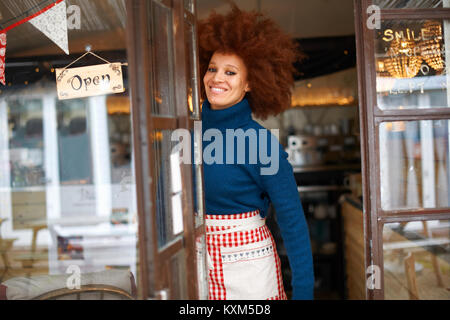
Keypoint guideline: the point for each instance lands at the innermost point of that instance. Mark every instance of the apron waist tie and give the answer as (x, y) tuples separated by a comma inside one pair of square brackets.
[(224, 224)]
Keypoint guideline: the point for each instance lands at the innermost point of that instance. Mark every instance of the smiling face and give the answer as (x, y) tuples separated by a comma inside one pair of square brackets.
[(225, 80)]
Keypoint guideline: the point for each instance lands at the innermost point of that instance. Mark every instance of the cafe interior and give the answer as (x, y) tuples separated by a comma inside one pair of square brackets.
[(70, 186)]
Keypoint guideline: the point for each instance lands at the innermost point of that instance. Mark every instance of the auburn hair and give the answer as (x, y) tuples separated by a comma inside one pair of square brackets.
[(268, 53)]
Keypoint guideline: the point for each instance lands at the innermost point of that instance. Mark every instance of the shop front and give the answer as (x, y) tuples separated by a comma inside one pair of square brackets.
[(96, 201)]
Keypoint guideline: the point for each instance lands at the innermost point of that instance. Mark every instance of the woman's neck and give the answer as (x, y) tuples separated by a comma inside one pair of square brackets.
[(232, 117)]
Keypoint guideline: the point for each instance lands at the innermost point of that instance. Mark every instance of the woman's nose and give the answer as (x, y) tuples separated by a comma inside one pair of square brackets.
[(218, 77)]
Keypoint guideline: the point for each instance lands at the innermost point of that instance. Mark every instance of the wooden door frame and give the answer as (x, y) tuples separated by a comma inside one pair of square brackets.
[(370, 118), (153, 267)]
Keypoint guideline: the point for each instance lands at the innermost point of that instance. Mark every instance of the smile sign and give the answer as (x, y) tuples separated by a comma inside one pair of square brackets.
[(89, 81)]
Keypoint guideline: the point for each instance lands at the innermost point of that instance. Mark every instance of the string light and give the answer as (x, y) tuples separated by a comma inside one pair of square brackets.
[(404, 62), (431, 45), (381, 68)]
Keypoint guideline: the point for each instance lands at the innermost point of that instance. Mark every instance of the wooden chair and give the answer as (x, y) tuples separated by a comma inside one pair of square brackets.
[(410, 272), (104, 285), (5, 247), (102, 290), (434, 260), (29, 259)]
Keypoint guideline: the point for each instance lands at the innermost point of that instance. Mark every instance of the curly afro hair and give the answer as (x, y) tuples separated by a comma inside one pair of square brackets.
[(268, 53)]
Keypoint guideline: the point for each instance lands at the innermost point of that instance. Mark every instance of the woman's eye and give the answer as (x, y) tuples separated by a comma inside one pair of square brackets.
[(211, 69), (230, 73)]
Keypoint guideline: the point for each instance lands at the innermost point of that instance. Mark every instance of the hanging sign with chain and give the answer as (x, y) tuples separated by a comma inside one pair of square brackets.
[(89, 81)]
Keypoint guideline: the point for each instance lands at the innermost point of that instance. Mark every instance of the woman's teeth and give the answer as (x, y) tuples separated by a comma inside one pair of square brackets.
[(218, 90)]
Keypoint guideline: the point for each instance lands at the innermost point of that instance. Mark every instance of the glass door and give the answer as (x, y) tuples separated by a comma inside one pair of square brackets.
[(405, 129), (68, 210), (164, 66)]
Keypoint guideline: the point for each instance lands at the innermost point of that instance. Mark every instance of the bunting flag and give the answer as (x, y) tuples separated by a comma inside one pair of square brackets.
[(53, 23), (2, 57)]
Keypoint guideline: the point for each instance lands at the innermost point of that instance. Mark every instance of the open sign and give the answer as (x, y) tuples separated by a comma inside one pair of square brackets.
[(89, 81)]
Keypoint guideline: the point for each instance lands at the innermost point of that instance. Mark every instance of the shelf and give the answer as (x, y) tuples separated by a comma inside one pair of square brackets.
[(341, 167), (322, 188)]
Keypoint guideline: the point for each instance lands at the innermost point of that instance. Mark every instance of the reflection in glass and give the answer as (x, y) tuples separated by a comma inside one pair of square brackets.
[(75, 159), (191, 72), (67, 190), (197, 174), (119, 128), (401, 4), (417, 260), (189, 5), (168, 187), (26, 143), (414, 164), (202, 274), (410, 64), (193, 102), (163, 59)]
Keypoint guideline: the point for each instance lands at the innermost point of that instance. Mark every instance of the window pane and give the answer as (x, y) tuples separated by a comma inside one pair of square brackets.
[(67, 186), (417, 260), (411, 65), (168, 188), (26, 144), (178, 276), (197, 180), (189, 5), (161, 40), (75, 157), (191, 72), (202, 273), (400, 4), (414, 164)]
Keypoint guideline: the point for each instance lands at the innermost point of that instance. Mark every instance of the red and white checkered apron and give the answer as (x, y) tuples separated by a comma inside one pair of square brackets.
[(242, 258)]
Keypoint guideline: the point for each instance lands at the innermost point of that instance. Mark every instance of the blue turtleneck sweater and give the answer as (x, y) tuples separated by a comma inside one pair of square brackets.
[(236, 188)]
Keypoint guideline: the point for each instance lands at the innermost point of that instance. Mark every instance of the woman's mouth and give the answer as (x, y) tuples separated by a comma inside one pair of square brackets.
[(217, 90)]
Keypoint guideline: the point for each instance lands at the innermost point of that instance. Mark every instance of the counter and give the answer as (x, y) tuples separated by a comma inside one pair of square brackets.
[(352, 216)]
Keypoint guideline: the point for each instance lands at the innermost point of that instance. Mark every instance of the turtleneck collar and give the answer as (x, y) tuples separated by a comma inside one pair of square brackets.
[(233, 117)]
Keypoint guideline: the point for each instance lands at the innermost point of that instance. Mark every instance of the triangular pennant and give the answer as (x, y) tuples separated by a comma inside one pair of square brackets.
[(53, 23), (2, 57)]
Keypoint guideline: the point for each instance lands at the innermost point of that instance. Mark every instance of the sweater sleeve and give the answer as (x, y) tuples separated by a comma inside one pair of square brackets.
[(281, 188)]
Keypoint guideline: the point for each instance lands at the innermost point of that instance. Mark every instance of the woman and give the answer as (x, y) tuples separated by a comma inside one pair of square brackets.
[(247, 63)]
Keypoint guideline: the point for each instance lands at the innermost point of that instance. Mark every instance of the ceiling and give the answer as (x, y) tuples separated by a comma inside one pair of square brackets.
[(102, 21), (106, 19), (329, 22), (300, 18)]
